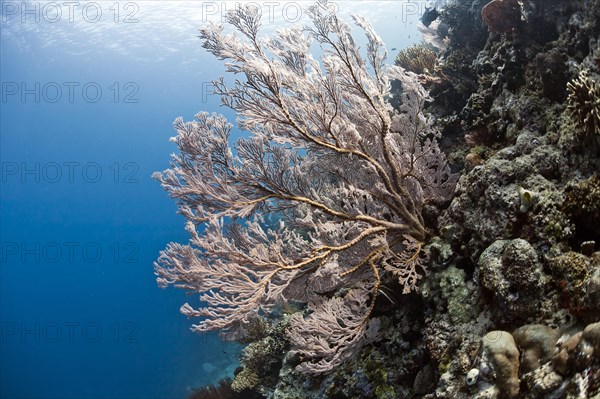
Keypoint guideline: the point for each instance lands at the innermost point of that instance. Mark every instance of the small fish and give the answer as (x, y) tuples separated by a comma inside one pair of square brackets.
[(394, 49)]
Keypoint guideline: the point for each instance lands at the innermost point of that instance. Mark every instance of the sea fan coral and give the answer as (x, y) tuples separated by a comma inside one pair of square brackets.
[(343, 176), (583, 102)]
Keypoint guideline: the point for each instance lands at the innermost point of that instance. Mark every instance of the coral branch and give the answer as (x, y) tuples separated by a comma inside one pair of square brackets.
[(328, 179)]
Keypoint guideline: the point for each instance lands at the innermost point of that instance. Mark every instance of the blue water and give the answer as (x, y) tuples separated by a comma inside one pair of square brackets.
[(86, 113)]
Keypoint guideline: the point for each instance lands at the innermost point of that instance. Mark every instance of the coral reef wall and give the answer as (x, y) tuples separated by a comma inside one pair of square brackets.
[(511, 306)]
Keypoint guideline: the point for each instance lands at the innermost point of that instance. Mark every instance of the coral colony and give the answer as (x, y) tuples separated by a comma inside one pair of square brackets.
[(346, 174), (334, 241)]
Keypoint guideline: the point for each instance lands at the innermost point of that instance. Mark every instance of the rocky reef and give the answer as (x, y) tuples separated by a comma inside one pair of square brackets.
[(511, 306)]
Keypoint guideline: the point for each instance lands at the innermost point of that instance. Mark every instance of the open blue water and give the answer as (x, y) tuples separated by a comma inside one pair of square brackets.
[(89, 92)]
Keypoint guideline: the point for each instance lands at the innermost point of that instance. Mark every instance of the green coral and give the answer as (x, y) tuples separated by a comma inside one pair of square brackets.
[(445, 363), (385, 392), (455, 292), (378, 375)]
